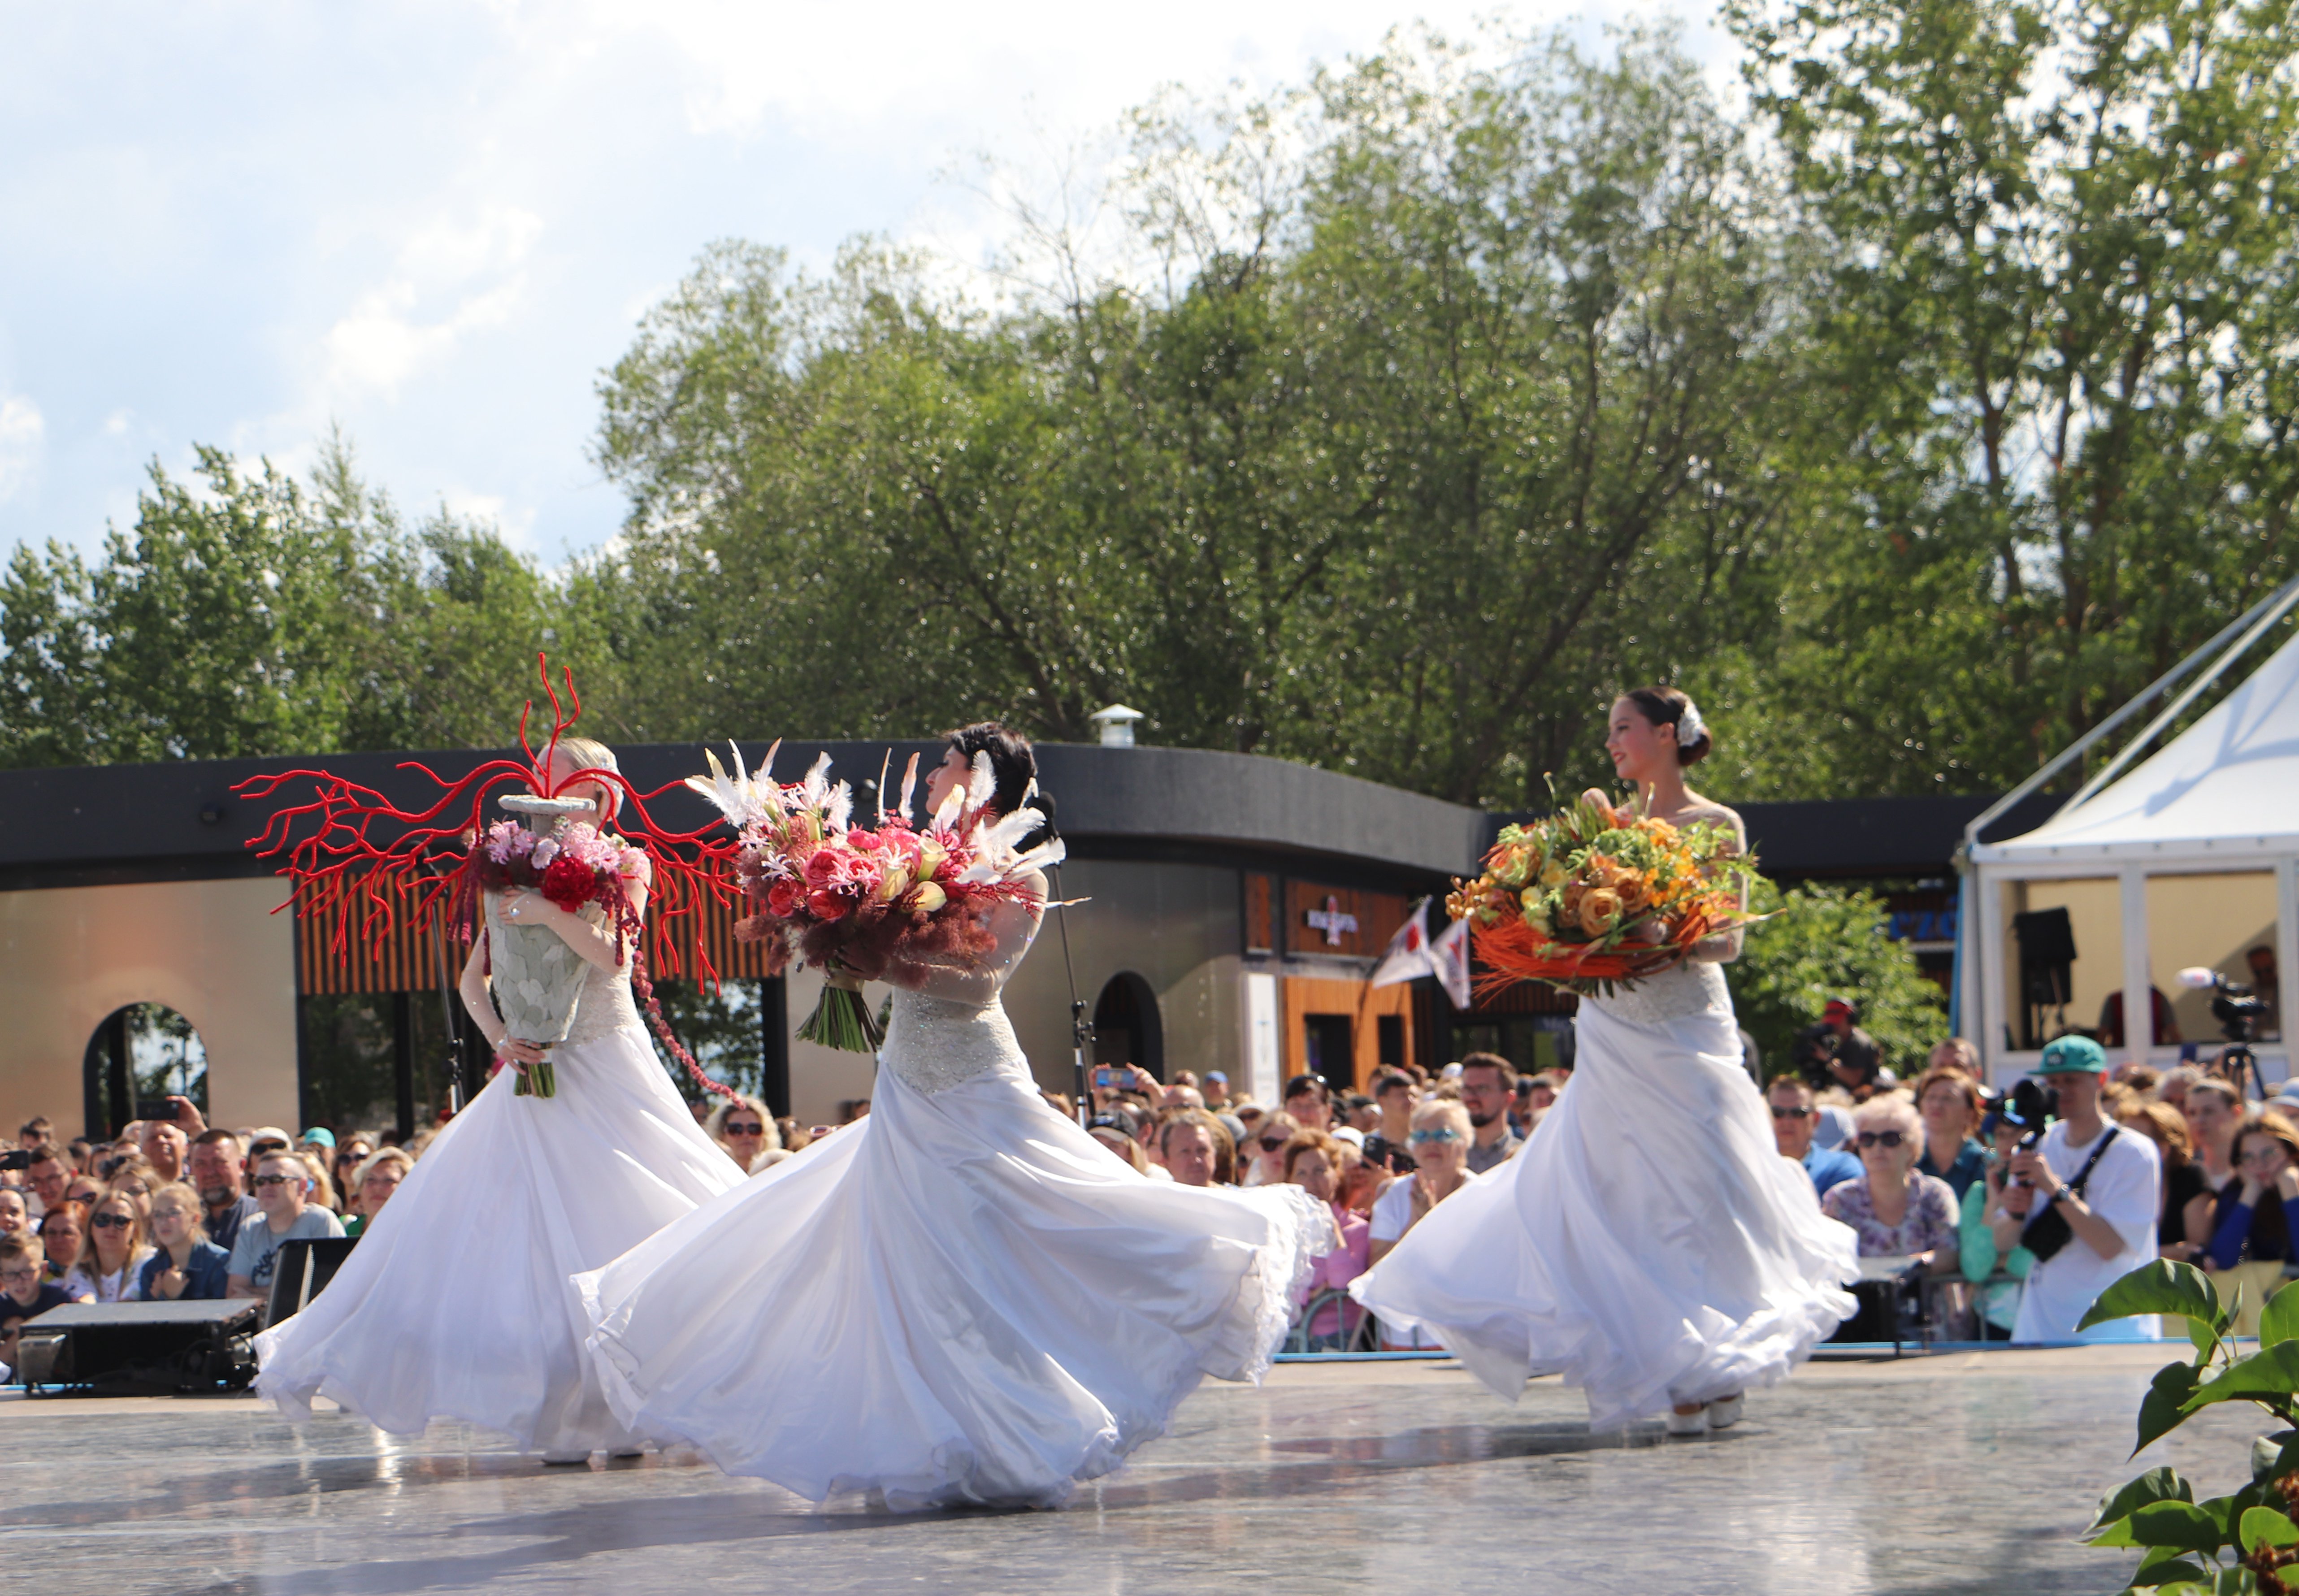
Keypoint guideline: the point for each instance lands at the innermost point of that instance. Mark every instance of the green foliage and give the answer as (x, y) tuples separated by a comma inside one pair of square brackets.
[(1822, 941), (2223, 1543)]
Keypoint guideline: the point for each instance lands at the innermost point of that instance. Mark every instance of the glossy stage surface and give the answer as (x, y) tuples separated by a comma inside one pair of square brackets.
[(1952, 1473)]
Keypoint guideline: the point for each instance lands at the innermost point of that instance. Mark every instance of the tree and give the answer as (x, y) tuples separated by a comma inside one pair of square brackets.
[(1824, 942)]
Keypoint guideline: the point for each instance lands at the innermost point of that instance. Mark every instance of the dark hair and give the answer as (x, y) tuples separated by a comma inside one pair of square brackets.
[(1494, 1062), (1665, 706), (1013, 766), (1301, 1085)]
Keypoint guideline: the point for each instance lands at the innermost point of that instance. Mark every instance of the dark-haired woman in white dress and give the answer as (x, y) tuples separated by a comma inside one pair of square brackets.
[(1649, 1243)]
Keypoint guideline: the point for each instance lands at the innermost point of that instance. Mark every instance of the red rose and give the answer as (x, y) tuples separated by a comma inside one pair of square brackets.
[(822, 869), (783, 899), (569, 884), (827, 906)]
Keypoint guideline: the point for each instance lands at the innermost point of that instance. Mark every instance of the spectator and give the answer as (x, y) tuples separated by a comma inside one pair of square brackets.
[(1197, 1150), (48, 1178), (1440, 1153), (64, 1237), (1386, 1145), (25, 1291), (2103, 1180), (1488, 1088), (115, 1252), (792, 1135), (2111, 1020), (743, 1128), (1217, 1090), (1179, 1096), (2249, 1227), (2214, 1113), (1955, 1054), (186, 1266), (38, 1132), (2182, 1182), (15, 1213), (81, 1153), (163, 1145), (1115, 1131), (1835, 1051), (283, 1186), (351, 1152), (84, 1188), (1309, 1102), (2264, 986), (2173, 1087), (1312, 1162), (1266, 1164), (2140, 1079), (323, 1192), (135, 1179), (1358, 1114), (215, 1169), (1977, 1254), (373, 1183), (1794, 1119), (1895, 1211), (1833, 1127), (1949, 1099)]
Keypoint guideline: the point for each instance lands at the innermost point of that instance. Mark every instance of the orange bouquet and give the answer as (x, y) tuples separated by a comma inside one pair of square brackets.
[(1592, 898)]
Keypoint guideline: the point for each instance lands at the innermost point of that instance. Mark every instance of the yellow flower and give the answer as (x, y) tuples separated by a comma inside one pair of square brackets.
[(930, 897)]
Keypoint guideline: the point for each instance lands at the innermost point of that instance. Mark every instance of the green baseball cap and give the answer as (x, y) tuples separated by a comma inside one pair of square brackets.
[(2072, 1055)]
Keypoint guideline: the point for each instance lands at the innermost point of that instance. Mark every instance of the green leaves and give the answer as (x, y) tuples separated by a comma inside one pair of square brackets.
[(2279, 1321), (2271, 1377), (1823, 940), (2165, 1407), (2164, 1286), (2157, 1485)]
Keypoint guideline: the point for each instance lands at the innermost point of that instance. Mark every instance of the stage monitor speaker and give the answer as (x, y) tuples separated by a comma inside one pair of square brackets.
[(141, 1348), (302, 1270), (2046, 936)]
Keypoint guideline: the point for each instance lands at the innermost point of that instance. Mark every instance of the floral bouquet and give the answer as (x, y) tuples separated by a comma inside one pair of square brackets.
[(1591, 898), (538, 978), (372, 866), (854, 899)]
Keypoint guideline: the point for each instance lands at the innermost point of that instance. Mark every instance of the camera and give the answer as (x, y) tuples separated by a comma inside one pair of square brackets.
[(15, 1158), (2237, 1008), (2029, 1105)]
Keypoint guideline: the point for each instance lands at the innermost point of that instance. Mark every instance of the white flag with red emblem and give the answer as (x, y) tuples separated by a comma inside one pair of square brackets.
[(1449, 958), (1407, 957)]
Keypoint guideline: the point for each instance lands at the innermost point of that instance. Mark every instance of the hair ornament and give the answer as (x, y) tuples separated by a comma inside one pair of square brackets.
[(1688, 725)]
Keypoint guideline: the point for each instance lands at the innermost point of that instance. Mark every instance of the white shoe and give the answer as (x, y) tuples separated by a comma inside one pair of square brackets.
[(1724, 1412), (1695, 1423)]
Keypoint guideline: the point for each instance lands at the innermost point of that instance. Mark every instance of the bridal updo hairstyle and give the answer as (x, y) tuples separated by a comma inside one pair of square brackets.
[(1665, 706), (1013, 766), (590, 754)]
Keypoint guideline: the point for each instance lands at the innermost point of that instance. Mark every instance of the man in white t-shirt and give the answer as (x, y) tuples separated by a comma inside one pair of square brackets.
[(2112, 1221)]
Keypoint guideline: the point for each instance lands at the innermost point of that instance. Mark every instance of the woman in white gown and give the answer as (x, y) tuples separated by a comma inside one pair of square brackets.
[(456, 1303), (963, 1298), (1649, 1243)]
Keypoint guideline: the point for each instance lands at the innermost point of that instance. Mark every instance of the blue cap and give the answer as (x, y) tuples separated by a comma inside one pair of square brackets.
[(2072, 1055), (322, 1134), (1216, 1075)]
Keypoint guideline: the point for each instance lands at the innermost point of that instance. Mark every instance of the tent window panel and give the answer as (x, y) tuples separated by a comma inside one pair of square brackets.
[(2216, 921), (2041, 1008)]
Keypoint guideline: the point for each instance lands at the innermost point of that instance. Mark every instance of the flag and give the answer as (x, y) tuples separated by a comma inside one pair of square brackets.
[(1407, 957), (1448, 956)]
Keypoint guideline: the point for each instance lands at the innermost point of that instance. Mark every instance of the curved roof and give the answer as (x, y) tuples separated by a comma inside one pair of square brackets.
[(2227, 786)]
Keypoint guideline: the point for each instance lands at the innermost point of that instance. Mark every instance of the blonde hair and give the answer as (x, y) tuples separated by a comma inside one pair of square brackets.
[(376, 1160), (1890, 1111), (136, 1223), (590, 754), (181, 1193), (715, 1126), (1445, 1108)]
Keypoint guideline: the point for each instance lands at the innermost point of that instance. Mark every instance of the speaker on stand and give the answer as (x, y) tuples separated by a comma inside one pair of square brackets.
[(2047, 956)]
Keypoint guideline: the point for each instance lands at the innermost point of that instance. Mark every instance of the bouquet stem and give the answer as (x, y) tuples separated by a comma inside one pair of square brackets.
[(538, 1079), (841, 1020)]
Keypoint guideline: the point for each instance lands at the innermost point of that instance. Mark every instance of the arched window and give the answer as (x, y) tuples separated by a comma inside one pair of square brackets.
[(140, 1054), (1127, 1029)]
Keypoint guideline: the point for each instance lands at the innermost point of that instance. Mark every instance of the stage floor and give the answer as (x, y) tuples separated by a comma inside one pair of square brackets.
[(1955, 1474)]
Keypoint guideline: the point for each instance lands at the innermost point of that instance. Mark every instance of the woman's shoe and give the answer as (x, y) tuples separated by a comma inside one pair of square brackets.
[(562, 1459), (1724, 1412), (1695, 1423)]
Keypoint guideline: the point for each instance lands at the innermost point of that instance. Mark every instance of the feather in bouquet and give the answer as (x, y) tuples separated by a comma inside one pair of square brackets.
[(1592, 898), (852, 900), (355, 855)]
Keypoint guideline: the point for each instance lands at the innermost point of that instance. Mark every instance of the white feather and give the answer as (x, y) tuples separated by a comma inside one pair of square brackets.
[(839, 809), (816, 785), (983, 783), (910, 781)]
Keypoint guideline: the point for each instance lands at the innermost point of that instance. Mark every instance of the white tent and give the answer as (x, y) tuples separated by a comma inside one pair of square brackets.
[(2188, 860)]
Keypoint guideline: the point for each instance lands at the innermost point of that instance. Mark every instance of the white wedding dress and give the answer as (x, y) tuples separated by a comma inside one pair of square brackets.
[(456, 1302), (1649, 1243), (963, 1298)]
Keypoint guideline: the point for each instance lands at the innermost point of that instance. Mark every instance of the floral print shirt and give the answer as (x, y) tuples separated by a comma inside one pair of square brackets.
[(1930, 1223)]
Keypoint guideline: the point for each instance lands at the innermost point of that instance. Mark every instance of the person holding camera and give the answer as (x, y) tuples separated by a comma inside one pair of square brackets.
[(2082, 1199)]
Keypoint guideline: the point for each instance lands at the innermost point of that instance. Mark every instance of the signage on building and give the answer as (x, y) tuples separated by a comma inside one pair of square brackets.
[(1331, 921)]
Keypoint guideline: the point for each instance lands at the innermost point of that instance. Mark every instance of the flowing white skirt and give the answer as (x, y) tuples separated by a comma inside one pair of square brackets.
[(456, 1303), (1649, 1243), (963, 1298)]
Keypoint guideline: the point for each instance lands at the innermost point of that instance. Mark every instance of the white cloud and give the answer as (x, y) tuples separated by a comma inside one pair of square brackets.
[(23, 434), (514, 523), (386, 339)]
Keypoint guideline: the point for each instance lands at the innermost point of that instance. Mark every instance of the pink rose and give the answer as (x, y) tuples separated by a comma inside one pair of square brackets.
[(783, 899), (826, 906)]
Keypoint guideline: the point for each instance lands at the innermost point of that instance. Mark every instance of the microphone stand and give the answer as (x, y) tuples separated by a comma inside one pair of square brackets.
[(1081, 1027)]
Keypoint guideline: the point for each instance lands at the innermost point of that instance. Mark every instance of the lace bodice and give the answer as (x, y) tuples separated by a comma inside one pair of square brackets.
[(949, 1025), (606, 1005), (1691, 988)]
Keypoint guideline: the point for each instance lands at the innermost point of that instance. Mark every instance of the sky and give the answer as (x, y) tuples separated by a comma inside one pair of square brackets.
[(434, 226)]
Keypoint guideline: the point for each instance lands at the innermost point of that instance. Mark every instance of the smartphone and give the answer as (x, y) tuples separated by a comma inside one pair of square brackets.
[(1104, 1077), (158, 1108), (16, 1158)]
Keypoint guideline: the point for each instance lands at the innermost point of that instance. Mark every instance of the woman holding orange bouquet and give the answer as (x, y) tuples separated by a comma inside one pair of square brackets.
[(1650, 1244)]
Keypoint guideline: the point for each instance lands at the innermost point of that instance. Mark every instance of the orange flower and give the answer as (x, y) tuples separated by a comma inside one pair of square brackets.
[(1601, 910)]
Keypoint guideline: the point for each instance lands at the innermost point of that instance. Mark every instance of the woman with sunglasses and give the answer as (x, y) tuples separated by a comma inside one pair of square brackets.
[(108, 1268), (1895, 1210), (1265, 1146), (1649, 1243), (743, 1127)]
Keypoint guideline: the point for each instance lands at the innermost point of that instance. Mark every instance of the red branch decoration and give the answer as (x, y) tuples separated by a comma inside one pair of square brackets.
[(338, 864)]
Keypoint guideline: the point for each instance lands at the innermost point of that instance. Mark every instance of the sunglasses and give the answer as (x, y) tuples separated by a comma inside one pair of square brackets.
[(1880, 1138), (1272, 1143), (1423, 1138), (1780, 1113), (277, 1180), (734, 1129), (112, 1221)]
